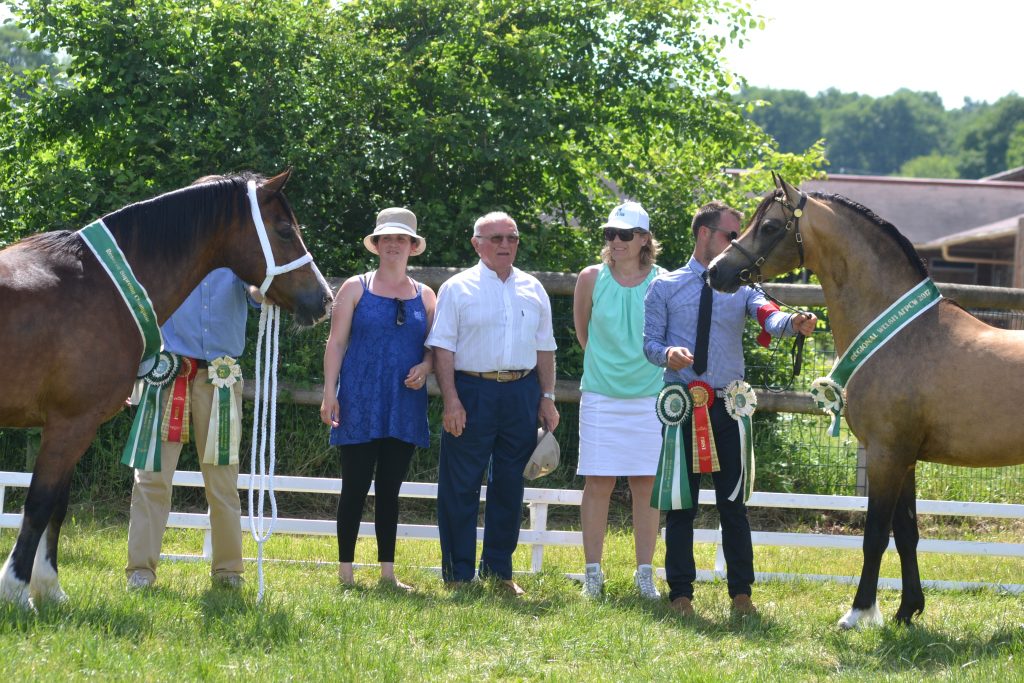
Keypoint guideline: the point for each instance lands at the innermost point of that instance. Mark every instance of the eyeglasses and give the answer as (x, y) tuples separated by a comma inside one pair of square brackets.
[(496, 240), (400, 315), (731, 234), (623, 234)]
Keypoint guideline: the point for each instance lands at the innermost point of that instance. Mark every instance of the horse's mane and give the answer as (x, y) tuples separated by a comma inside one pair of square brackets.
[(59, 243), (166, 226), (887, 228)]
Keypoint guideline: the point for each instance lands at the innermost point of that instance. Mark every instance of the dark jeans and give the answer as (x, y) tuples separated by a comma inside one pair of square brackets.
[(680, 569), (391, 458), (500, 435)]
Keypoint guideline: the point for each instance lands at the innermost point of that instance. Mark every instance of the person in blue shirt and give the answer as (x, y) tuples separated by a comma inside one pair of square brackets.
[(671, 311), (208, 326)]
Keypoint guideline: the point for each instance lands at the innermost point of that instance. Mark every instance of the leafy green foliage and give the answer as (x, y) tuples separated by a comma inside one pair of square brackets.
[(541, 109)]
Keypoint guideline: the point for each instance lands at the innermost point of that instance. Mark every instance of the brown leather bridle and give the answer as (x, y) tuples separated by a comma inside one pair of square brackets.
[(752, 273)]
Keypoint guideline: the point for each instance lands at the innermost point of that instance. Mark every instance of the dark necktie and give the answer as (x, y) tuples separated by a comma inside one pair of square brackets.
[(700, 354)]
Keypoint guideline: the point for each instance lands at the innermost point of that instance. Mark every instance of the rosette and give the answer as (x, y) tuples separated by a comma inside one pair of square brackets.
[(828, 395), (674, 404), (142, 449), (740, 399), (705, 453), (225, 433), (740, 402)]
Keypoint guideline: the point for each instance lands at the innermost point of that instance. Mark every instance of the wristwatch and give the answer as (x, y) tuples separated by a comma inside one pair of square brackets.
[(548, 394)]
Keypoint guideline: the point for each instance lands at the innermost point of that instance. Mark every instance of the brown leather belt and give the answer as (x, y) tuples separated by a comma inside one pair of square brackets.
[(499, 375)]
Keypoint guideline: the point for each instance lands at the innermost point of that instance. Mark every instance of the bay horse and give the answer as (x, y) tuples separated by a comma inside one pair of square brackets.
[(71, 348), (930, 392)]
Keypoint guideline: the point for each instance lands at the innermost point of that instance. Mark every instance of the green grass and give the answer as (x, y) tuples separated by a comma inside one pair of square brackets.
[(310, 628)]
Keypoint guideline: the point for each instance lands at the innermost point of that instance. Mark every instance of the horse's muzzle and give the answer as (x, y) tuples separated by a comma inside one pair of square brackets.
[(722, 279)]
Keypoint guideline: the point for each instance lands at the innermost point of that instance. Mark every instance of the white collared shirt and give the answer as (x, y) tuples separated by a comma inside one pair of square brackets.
[(492, 325)]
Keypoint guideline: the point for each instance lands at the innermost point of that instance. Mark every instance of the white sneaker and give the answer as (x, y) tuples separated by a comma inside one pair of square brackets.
[(643, 577), (593, 582), (138, 581)]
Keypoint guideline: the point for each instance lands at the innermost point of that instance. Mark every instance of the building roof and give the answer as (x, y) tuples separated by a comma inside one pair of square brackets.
[(927, 210), (1004, 230)]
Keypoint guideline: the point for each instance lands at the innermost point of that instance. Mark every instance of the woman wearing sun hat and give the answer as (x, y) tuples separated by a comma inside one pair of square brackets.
[(375, 372), (620, 434)]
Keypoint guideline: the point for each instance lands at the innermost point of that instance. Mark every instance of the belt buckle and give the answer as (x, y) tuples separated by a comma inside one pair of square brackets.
[(506, 376)]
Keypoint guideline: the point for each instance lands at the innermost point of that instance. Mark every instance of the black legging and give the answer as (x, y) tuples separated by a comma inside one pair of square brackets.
[(391, 458)]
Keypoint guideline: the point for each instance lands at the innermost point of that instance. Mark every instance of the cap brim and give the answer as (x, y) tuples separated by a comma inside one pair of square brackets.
[(416, 251)]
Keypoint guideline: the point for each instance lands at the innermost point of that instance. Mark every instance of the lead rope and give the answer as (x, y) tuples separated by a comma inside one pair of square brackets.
[(265, 400), (796, 351)]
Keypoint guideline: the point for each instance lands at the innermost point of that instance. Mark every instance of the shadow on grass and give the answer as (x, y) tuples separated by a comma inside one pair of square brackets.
[(896, 648), (234, 616)]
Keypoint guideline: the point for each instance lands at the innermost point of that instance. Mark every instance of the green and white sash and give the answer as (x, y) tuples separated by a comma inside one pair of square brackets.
[(829, 392), (740, 403), (225, 434), (671, 482), (99, 240)]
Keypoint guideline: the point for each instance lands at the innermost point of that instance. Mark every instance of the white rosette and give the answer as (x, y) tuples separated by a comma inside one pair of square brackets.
[(225, 433), (740, 404), (829, 395)]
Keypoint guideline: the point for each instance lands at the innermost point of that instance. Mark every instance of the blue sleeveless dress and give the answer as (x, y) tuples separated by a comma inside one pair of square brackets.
[(374, 401)]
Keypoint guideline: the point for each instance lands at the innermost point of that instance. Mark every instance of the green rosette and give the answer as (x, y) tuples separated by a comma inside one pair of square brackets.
[(671, 482), (142, 450), (223, 437)]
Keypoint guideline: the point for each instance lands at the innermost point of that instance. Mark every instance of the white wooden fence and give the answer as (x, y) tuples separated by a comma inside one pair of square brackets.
[(538, 536)]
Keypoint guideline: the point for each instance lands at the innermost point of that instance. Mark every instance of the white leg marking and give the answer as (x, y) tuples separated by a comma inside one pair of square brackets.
[(12, 589), (44, 584), (862, 617)]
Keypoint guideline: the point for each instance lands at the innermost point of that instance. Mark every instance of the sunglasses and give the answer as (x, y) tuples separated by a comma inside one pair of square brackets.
[(496, 240), (400, 315), (623, 234), (732, 234)]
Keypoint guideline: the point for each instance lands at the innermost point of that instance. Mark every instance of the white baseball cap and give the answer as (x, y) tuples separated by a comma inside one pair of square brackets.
[(395, 221), (629, 216)]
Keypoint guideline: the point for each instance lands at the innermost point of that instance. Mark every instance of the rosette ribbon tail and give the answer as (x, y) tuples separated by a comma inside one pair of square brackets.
[(705, 453), (740, 404), (142, 451), (671, 489)]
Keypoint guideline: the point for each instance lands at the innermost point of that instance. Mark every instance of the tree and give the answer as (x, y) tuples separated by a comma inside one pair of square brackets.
[(930, 166), (985, 137), (792, 117), (1015, 147), (537, 108)]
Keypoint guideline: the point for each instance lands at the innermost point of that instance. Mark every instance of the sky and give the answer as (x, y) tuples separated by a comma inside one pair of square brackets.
[(970, 48)]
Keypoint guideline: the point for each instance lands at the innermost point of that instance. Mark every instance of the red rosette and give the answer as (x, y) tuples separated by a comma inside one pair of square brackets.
[(703, 438)]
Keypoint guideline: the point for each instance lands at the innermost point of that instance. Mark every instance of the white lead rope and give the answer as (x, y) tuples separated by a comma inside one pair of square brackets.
[(265, 411)]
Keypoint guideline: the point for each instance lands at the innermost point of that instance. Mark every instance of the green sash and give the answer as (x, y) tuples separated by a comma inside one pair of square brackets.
[(99, 240)]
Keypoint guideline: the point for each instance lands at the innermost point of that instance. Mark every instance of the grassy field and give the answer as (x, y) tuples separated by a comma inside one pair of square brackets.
[(310, 628)]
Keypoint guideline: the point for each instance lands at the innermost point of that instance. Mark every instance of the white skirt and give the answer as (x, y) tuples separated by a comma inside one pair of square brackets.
[(619, 437)]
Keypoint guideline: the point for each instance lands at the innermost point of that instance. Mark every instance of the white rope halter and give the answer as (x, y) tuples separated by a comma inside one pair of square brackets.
[(266, 393)]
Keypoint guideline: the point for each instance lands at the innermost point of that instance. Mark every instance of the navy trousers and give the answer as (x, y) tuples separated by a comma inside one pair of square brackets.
[(500, 435), (680, 570)]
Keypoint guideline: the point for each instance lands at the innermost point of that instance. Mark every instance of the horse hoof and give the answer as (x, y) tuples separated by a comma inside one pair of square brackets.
[(856, 618), (18, 595)]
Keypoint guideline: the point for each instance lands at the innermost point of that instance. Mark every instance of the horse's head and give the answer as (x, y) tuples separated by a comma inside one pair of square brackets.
[(771, 244), (282, 267)]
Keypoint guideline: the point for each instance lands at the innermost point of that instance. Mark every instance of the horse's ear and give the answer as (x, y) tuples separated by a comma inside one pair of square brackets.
[(791, 192), (277, 183), (779, 182)]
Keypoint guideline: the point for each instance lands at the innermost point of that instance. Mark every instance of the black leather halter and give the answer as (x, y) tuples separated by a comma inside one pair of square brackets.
[(752, 274)]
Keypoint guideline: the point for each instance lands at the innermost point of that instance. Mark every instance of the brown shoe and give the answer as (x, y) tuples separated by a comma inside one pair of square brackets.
[(511, 587), (742, 605), (682, 606)]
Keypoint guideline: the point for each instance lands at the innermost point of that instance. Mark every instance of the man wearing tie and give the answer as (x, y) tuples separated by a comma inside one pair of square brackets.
[(682, 312)]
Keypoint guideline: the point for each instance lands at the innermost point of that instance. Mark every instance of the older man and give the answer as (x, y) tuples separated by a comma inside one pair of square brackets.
[(494, 358)]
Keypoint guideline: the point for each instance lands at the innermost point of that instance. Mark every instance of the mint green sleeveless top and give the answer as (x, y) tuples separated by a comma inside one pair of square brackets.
[(614, 363)]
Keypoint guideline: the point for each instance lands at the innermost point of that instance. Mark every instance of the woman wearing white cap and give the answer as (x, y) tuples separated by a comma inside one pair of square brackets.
[(620, 434), (375, 373)]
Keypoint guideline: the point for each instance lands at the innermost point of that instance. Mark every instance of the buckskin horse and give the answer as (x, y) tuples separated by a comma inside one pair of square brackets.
[(71, 348), (929, 392)]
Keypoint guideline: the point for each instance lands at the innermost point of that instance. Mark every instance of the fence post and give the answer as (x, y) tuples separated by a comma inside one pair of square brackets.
[(538, 522), (862, 470), (208, 538)]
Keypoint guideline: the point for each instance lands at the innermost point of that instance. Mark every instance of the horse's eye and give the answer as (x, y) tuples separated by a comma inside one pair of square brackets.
[(286, 231), (770, 227)]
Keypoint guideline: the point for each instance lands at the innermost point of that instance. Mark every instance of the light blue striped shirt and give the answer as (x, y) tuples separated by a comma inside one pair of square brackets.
[(670, 319), (211, 321)]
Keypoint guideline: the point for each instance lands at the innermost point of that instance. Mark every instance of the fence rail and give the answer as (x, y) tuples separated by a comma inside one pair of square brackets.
[(538, 536)]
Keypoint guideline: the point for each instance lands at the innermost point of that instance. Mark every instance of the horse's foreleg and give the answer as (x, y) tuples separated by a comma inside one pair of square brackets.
[(904, 530), (884, 483)]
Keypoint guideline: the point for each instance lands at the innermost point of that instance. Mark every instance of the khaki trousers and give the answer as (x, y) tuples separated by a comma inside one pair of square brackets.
[(151, 496)]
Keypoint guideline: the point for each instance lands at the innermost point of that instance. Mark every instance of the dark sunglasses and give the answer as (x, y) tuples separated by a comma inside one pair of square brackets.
[(400, 315), (623, 234), (496, 240), (732, 234)]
